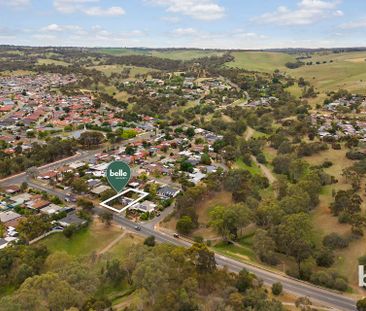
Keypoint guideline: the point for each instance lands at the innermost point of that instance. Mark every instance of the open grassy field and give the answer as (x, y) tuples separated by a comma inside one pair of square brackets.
[(254, 169), (325, 223), (109, 69), (347, 71), (48, 61), (261, 61), (84, 242), (171, 54)]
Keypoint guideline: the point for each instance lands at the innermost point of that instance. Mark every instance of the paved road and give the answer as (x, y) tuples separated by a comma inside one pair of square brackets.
[(296, 287), (322, 296)]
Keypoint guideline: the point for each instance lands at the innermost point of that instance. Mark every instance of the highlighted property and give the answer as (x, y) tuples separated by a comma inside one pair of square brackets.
[(124, 200)]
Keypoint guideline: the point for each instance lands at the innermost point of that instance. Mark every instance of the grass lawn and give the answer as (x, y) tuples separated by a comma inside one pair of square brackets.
[(254, 169), (235, 251), (120, 249), (84, 242)]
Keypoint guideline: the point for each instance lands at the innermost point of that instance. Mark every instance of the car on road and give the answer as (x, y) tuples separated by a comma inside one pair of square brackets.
[(137, 228), (70, 198), (176, 235)]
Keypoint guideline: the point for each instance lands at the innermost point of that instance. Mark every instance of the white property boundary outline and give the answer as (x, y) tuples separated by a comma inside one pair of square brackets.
[(119, 211)]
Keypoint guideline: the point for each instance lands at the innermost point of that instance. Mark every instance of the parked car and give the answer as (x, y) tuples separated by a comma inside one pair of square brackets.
[(137, 228)]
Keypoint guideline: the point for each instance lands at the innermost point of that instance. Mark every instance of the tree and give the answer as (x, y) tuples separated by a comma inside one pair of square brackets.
[(91, 138), (361, 304), (205, 159), (2, 229), (106, 217), (107, 194), (114, 272), (24, 186), (186, 166), (244, 280), (69, 231), (228, 221), (185, 225), (44, 292), (32, 172), (347, 202), (304, 304), (150, 241), (33, 226), (277, 288), (85, 204), (325, 258), (202, 258), (79, 185), (264, 246), (294, 237), (190, 132)]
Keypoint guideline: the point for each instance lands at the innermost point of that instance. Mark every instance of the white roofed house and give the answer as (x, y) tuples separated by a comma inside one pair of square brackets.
[(146, 206)]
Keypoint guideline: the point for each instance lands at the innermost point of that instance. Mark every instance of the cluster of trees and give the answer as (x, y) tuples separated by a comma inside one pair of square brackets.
[(38, 155), (164, 277)]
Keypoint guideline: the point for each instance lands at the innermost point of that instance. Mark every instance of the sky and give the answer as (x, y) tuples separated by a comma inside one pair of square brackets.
[(221, 24)]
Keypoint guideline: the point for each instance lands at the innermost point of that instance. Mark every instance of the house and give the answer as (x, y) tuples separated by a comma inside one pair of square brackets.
[(76, 165), (99, 190), (196, 177), (38, 204), (20, 199), (12, 189), (48, 175), (6, 217), (72, 219), (146, 206), (167, 192), (99, 169), (52, 209)]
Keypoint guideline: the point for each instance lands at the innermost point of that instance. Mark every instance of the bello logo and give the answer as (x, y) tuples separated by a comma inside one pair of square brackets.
[(118, 175)]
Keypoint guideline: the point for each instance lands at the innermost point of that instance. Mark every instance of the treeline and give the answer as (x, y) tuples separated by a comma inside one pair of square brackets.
[(38, 155), (162, 277)]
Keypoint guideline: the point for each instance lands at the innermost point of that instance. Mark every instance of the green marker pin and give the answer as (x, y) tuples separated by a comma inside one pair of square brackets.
[(118, 175)]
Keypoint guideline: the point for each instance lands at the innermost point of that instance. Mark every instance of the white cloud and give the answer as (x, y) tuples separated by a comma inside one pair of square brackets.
[(73, 6), (63, 28), (44, 37), (203, 10), (361, 23), (184, 31), (307, 12), (98, 11), (15, 3), (171, 19)]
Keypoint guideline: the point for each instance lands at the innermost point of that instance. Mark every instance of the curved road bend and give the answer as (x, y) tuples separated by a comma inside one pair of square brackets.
[(296, 287)]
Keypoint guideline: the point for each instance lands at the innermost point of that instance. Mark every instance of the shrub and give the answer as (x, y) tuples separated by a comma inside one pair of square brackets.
[(150, 241), (277, 288), (335, 241), (325, 258)]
